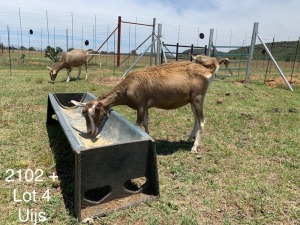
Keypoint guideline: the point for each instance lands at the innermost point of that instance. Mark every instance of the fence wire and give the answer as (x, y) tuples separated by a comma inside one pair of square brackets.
[(34, 30)]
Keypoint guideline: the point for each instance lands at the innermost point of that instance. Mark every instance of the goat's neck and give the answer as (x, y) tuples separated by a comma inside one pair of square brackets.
[(112, 99), (58, 67)]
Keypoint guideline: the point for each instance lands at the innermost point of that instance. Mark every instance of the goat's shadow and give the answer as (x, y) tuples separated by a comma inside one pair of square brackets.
[(164, 147), (73, 79), (65, 164)]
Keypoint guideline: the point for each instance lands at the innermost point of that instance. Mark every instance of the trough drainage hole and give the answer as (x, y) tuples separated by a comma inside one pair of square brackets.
[(135, 184), (97, 194)]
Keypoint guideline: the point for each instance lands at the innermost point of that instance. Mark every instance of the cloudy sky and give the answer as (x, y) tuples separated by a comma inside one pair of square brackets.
[(216, 13), (276, 17)]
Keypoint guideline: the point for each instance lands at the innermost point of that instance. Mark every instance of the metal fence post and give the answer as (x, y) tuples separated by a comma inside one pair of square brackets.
[(254, 33), (210, 42), (158, 43), (153, 37), (119, 42), (192, 51), (177, 46)]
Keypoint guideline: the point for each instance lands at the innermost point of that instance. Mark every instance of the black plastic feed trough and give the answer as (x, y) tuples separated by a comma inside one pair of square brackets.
[(119, 163)]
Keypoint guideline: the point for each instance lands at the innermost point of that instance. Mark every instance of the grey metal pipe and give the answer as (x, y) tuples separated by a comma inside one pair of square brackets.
[(153, 36), (159, 30), (140, 56), (210, 42), (253, 40)]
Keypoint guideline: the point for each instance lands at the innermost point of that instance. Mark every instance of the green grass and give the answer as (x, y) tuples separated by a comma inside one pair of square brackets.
[(246, 172)]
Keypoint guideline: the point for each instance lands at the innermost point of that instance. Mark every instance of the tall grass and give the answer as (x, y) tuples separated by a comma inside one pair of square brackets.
[(246, 172)]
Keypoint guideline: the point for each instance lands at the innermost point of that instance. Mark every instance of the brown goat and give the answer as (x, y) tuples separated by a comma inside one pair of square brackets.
[(167, 86), (74, 58)]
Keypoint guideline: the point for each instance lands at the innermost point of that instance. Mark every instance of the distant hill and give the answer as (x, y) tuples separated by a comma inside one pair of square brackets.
[(195, 51), (281, 51)]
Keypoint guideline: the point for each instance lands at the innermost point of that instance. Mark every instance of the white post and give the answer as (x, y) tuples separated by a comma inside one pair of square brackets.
[(164, 54)]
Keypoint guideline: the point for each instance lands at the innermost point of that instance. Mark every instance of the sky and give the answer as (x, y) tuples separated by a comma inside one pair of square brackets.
[(277, 18), (216, 13)]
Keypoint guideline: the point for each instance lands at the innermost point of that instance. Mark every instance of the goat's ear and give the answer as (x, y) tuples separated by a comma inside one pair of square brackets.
[(79, 104)]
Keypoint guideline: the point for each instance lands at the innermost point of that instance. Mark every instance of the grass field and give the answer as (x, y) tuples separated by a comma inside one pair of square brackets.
[(246, 172)]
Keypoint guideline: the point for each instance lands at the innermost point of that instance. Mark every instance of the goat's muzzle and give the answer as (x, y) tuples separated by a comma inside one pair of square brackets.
[(52, 76), (93, 133)]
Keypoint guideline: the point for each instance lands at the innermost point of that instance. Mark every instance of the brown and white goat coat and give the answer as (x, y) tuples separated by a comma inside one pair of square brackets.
[(167, 86), (74, 58)]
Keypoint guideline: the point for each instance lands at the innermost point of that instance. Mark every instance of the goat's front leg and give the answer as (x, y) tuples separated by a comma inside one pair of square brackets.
[(142, 114), (69, 75), (195, 128), (86, 72), (199, 123), (79, 72), (146, 121)]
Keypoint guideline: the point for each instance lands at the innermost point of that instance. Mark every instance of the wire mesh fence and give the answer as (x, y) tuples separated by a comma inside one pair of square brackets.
[(28, 32)]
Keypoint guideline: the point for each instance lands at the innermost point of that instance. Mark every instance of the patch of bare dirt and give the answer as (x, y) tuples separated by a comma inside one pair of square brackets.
[(109, 81), (273, 82)]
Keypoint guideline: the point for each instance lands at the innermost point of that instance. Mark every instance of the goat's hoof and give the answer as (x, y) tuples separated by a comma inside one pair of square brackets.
[(194, 149)]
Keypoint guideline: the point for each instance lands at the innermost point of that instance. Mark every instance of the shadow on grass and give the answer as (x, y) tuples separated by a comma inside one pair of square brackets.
[(164, 147), (65, 164)]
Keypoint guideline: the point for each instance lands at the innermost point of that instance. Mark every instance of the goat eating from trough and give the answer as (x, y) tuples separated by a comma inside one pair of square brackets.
[(74, 58), (167, 86)]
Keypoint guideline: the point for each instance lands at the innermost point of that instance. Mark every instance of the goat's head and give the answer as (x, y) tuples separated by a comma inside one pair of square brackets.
[(226, 63), (94, 113), (212, 62), (52, 73)]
